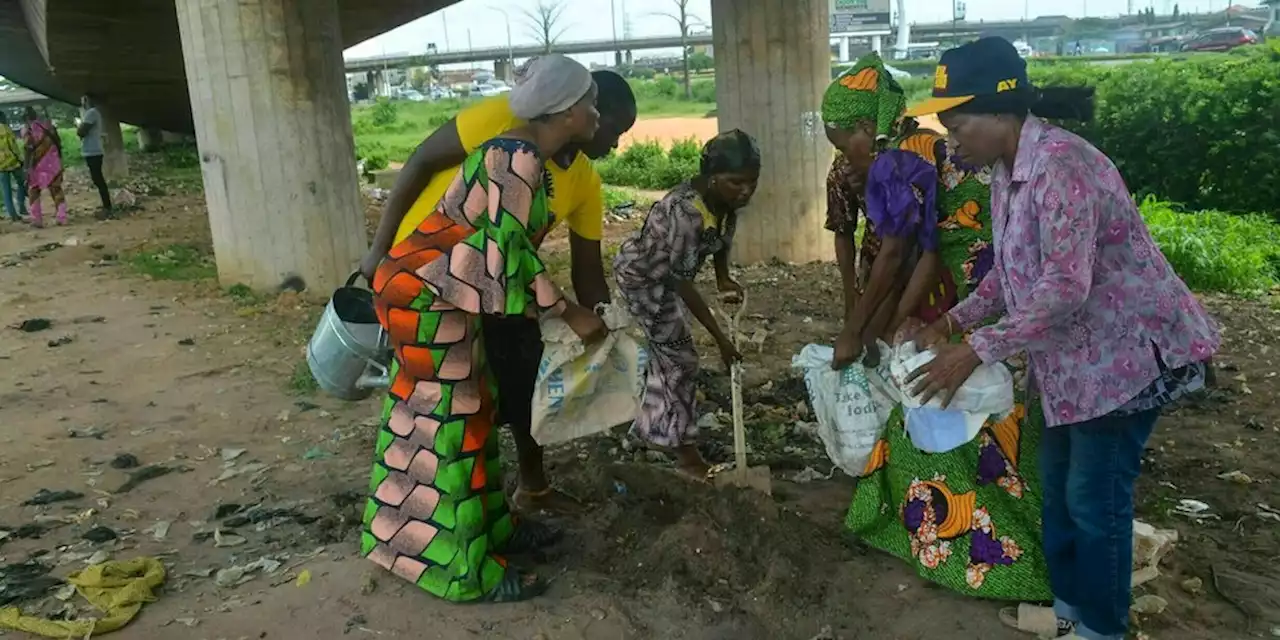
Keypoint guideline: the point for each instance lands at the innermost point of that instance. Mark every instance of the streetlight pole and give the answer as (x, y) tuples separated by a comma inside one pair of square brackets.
[(444, 17), (511, 52)]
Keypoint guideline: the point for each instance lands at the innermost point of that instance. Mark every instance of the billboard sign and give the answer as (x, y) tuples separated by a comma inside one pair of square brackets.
[(855, 16)]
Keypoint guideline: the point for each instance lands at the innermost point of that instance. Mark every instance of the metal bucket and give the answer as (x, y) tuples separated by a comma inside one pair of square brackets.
[(348, 353)]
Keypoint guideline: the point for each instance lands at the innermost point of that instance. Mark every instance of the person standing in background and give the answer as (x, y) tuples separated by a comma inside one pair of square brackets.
[(89, 128), (11, 169), (42, 159)]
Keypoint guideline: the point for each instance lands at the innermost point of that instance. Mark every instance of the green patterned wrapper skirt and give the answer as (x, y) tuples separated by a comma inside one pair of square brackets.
[(968, 519)]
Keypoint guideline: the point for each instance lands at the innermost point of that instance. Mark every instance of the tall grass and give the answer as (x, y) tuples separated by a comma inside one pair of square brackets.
[(387, 132), (1216, 251)]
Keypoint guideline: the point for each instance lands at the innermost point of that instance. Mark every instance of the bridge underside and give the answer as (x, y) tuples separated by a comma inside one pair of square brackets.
[(130, 51)]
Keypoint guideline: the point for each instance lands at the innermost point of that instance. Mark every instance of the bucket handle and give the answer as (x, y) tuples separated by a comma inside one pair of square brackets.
[(355, 275)]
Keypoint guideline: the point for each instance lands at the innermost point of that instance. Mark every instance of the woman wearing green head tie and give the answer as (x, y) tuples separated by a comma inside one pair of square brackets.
[(967, 518)]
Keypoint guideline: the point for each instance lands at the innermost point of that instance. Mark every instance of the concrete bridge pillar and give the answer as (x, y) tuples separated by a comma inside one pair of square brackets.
[(115, 165), (502, 70), (150, 140), (772, 67), (268, 94), (170, 137)]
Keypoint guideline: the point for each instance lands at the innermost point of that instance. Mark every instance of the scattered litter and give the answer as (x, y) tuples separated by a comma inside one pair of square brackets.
[(94, 433), (809, 474), (186, 622), (304, 578), (45, 496), (355, 622), (89, 320), (150, 472), (60, 341), (32, 466), (235, 471), (1195, 510), (1238, 477), (222, 540), (29, 531), (125, 461), (237, 575), (33, 325), (187, 342), (1266, 512), (117, 589), (1193, 586), (316, 453), (1149, 605), (99, 535), (25, 581), (368, 583), (283, 416), (98, 557), (229, 455), (1149, 546), (159, 531), (825, 633)]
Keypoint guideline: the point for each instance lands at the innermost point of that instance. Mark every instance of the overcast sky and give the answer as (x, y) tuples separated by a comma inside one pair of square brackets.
[(590, 20)]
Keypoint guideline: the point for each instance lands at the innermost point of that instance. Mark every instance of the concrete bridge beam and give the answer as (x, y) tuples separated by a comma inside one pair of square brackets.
[(268, 96), (772, 67)]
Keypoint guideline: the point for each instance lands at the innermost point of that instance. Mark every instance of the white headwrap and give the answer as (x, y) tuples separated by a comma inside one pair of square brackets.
[(548, 84)]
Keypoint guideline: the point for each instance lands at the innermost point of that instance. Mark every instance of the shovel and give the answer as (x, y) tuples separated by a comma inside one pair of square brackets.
[(758, 478)]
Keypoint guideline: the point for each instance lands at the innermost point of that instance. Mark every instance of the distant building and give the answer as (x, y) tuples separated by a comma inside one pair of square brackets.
[(1273, 24), (1167, 30)]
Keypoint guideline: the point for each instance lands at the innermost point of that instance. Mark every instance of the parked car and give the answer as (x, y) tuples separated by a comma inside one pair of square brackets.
[(489, 90), (1221, 39), (440, 93)]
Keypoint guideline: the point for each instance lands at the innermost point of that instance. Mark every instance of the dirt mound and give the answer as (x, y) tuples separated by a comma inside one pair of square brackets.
[(653, 531)]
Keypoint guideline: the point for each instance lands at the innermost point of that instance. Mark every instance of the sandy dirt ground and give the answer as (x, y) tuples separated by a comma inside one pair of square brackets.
[(668, 130), (176, 411)]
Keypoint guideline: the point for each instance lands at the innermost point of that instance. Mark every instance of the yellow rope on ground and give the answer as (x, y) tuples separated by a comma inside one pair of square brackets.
[(118, 589)]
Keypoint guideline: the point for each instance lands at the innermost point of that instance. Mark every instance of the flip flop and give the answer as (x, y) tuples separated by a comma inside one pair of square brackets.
[(526, 501), (516, 586), (1030, 618), (530, 536)]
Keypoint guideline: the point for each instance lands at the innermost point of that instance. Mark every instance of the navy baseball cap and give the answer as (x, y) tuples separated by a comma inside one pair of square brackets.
[(983, 67)]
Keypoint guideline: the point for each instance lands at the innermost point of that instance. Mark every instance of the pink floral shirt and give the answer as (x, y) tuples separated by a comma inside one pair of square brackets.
[(1080, 284)]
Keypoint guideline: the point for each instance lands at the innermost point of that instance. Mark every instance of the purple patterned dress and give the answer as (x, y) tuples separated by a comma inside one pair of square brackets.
[(674, 242)]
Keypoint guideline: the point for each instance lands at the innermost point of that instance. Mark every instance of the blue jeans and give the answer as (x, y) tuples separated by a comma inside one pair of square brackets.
[(1088, 471), (6, 189)]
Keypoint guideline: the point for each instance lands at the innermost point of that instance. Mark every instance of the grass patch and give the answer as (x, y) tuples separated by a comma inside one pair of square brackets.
[(302, 383), (387, 132), (1217, 251), (174, 262)]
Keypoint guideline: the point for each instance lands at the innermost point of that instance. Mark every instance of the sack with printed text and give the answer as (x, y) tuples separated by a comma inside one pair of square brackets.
[(851, 406), (582, 390)]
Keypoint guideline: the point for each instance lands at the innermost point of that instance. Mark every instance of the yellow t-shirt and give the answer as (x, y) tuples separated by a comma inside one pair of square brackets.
[(576, 191)]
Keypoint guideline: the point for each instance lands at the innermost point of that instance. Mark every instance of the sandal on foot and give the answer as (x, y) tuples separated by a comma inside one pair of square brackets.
[(1030, 618), (515, 587), (530, 536), (548, 500)]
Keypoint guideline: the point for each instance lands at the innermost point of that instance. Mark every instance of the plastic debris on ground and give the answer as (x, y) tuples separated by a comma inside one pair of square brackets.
[(117, 589)]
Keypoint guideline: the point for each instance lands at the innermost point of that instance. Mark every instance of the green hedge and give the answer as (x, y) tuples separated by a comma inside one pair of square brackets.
[(647, 165), (1203, 131)]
